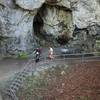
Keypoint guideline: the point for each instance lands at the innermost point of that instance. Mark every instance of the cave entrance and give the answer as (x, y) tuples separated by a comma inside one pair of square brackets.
[(62, 40), (51, 22), (37, 24)]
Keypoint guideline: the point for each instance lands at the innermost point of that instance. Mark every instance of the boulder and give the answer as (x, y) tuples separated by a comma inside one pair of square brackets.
[(29, 4)]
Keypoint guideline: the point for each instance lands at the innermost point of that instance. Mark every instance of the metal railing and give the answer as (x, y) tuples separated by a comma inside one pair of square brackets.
[(83, 57)]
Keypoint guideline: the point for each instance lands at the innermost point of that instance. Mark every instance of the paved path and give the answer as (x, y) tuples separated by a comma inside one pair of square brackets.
[(10, 66)]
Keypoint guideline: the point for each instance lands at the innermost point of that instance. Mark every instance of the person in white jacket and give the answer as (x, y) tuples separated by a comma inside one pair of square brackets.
[(50, 55)]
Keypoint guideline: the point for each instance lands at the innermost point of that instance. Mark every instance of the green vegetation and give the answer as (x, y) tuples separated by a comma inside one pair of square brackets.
[(98, 47), (3, 38), (83, 98), (22, 55), (98, 44)]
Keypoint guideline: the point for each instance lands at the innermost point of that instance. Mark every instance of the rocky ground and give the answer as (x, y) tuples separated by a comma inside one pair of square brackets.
[(81, 83)]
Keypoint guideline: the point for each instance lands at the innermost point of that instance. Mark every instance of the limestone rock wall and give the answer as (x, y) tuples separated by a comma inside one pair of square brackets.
[(16, 24), (17, 17), (86, 13), (56, 21), (29, 4)]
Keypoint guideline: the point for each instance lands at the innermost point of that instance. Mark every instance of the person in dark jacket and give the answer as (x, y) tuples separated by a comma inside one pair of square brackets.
[(37, 54)]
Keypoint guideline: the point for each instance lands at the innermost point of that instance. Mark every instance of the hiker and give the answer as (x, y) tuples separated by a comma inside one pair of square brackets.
[(50, 55), (37, 54)]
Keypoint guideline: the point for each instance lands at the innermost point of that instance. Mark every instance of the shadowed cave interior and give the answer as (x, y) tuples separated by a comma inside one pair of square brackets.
[(41, 22)]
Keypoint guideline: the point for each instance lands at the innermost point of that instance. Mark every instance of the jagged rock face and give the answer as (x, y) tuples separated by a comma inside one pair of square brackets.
[(57, 17), (2, 27), (56, 21), (19, 31), (29, 4), (17, 27), (86, 13), (63, 3)]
